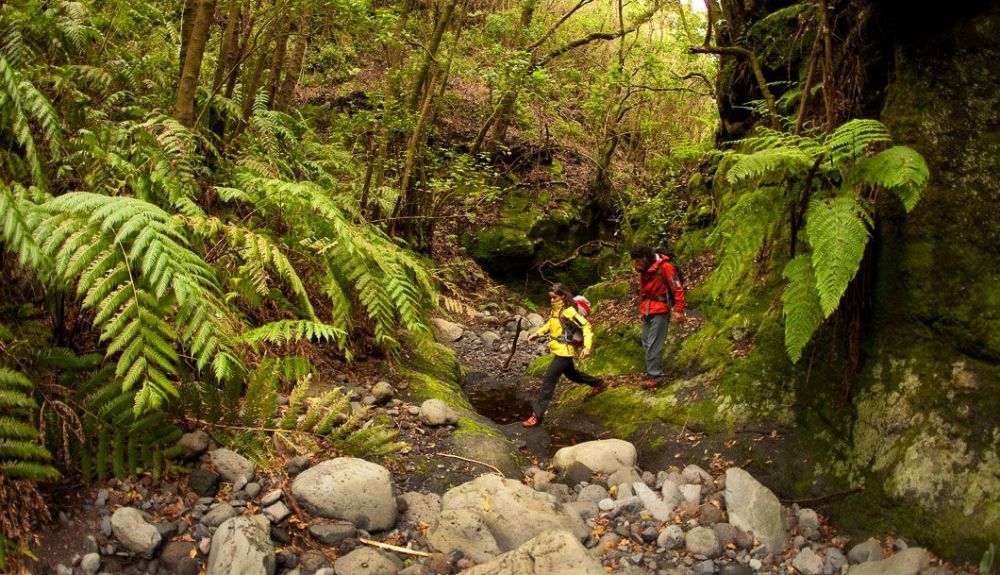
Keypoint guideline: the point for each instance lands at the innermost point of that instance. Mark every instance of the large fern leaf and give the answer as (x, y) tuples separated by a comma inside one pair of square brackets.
[(800, 305), (838, 233), (781, 161), (899, 169), (22, 454)]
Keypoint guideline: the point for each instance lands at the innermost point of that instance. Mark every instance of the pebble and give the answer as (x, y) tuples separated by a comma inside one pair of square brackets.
[(270, 498), (252, 489)]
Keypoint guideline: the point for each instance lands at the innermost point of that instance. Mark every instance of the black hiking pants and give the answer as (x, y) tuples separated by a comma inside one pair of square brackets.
[(560, 366)]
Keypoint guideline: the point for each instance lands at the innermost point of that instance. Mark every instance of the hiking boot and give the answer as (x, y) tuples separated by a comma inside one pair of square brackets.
[(531, 421), (650, 384), (594, 390)]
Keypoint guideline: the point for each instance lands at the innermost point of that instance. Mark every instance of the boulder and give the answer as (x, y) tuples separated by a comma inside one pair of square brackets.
[(868, 550), (232, 466), (351, 489), (492, 515), (602, 456), (135, 533), (658, 509), (907, 562), (446, 331), (421, 507), (383, 392), (702, 541), (193, 444), (219, 514), (367, 561), (671, 538), (242, 546), (754, 508), (331, 533), (435, 412), (553, 552), (489, 338), (808, 562)]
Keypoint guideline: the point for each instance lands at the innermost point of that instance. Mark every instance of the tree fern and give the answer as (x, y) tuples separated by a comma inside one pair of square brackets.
[(291, 331), (22, 454), (801, 308), (838, 234), (899, 169), (785, 161)]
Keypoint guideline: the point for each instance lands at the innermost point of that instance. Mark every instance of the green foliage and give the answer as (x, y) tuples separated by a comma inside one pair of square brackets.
[(829, 185), (22, 454)]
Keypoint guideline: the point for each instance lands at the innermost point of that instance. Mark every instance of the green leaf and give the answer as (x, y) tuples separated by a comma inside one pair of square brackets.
[(900, 169), (784, 161), (800, 305), (838, 234)]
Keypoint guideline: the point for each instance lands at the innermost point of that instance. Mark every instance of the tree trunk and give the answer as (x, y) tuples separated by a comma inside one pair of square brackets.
[(278, 60), (227, 48), (431, 55), (252, 83), (287, 89), (187, 23), (195, 51)]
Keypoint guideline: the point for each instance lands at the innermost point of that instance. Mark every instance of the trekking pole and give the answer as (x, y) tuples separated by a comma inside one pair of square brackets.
[(513, 347)]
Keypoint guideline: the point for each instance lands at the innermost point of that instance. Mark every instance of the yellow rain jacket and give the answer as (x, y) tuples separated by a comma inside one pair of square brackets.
[(554, 327)]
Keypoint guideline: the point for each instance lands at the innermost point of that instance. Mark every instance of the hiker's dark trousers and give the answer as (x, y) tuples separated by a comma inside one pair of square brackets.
[(560, 366)]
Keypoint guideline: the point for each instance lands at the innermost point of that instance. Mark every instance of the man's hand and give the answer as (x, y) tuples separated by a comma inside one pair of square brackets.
[(677, 316), (585, 354)]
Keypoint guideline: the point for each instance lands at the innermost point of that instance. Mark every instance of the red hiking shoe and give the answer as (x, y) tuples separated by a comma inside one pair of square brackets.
[(650, 384), (531, 421), (596, 389)]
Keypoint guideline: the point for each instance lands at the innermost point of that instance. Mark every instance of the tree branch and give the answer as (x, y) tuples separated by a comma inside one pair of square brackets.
[(754, 64)]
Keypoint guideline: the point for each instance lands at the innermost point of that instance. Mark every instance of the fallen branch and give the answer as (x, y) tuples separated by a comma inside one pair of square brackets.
[(471, 461), (513, 347), (395, 548), (823, 498)]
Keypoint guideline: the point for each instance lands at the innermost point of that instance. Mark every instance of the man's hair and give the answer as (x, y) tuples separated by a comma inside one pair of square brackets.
[(641, 252)]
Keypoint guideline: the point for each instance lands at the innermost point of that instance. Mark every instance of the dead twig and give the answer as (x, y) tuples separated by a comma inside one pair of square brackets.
[(513, 347), (395, 548), (471, 461)]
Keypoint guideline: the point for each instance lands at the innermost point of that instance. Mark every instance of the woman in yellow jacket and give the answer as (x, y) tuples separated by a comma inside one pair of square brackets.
[(564, 320)]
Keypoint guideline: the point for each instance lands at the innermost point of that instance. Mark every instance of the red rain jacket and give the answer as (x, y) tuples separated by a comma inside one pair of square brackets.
[(658, 287)]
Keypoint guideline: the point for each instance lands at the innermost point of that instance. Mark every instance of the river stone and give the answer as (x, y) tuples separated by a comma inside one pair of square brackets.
[(602, 456), (491, 515), (277, 512), (671, 492), (808, 519), (174, 553), (203, 482), (232, 466), (907, 562), (367, 561), (193, 444), (421, 507), (242, 546), (489, 338), (331, 533), (869, 550), (694, 474), (735, 569), (535, 320), (808, 562), (219, 514), (671, 538), (553, 552), (435, 412), (446, 331), (592, 492), (702, 541), (754, 508), (90, 563), (135, 533), (657, 508), (348, 488), (625, 475), (691, 492), (383, 391)]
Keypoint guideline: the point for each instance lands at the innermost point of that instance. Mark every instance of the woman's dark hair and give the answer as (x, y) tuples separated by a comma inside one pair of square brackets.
[(641, 252), (561, 290)]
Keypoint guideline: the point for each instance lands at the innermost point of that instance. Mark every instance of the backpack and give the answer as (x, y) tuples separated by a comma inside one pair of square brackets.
[(573, 333), (669, 254)]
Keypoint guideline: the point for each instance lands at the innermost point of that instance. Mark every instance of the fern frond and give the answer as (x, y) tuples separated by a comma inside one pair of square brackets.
[(800, 305), (899, 169), (291, 331), (781, 161), (851, 139), (838, 233)]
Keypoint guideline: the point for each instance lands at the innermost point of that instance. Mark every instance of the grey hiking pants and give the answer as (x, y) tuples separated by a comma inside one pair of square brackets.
[(654, 333)]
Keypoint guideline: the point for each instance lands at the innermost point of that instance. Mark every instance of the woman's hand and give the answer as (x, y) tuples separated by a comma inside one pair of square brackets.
[(585, 354)]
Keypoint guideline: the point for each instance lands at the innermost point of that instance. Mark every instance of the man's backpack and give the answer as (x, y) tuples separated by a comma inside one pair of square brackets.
[(573, 333), (667, 253)]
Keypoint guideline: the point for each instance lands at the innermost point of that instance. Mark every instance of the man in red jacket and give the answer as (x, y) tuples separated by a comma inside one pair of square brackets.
[(660, 291)]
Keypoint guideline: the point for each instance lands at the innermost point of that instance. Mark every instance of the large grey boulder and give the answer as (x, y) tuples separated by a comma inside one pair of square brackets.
[(602, 456), (754, 508), (907, 562), (367, 561), (553, 552), (351, 489), (445, 331), (232, 466), (242, 546), (134, 532), (421, 507), (492, 515)]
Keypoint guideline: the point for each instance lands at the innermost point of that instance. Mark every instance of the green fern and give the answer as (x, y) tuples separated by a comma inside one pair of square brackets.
[(801, 307), (22, 454), (838, 233), (899, 169)]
